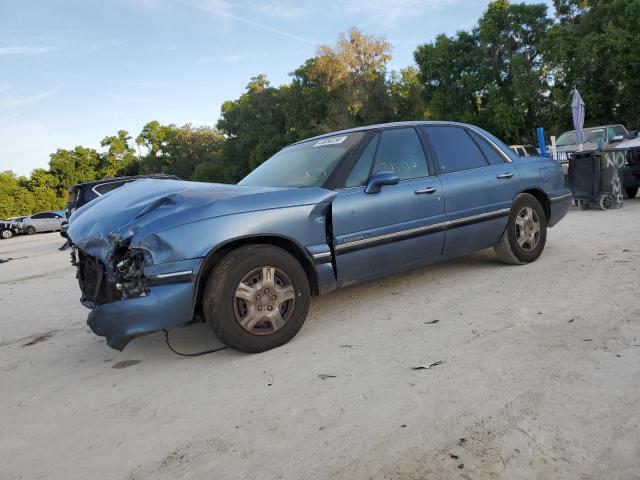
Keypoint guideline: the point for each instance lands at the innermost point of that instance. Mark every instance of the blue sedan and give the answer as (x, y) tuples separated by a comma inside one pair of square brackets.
[(322, 213)]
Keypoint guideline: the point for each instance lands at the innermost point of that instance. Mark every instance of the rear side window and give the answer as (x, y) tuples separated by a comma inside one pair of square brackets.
[(493, 157), (401, 152), (360, 173), (107, 187), (455, 149)]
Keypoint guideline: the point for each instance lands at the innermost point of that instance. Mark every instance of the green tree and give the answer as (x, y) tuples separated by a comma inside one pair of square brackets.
[(15, 198), (68, 167), (493, 76), (119, 156), (255, 126), (354, 71), (45, 188), (407, 95), (594, 47)]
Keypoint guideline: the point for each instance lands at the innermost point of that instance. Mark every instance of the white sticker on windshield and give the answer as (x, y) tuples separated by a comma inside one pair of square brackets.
[(330, 141)]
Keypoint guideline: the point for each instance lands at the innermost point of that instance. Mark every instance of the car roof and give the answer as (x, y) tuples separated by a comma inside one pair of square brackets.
[(596, 127), (410, 123), (125, 179)]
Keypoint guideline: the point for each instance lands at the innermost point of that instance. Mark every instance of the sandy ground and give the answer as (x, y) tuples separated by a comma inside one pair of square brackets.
[(540, 375)]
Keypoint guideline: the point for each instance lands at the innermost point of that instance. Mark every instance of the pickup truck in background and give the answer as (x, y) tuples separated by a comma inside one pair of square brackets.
[(607, 137)]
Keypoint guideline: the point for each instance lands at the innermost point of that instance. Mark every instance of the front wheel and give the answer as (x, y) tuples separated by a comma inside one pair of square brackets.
[(526, 234), (31, 230), (6, 234), (257, 298)]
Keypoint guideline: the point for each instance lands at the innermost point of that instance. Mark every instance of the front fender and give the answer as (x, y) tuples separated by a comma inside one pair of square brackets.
[(304, 224)]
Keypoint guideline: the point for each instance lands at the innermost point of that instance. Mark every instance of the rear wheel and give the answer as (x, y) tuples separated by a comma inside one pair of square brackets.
[(257, 298), (6, 234), (630, 192), (31, 230), (526, 234), (606, 202)]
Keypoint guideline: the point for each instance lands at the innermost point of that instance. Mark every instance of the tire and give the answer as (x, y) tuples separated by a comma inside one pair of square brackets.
[(606, 202), (31, 230), (6, 234), (630, 192), (519, 243), (283, 289)]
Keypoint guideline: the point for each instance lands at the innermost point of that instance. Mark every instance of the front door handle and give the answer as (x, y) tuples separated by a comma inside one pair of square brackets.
[(425, 190), (505, 175)]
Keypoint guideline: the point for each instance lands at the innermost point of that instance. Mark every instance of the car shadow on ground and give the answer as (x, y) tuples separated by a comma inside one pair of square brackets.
[(200, 337)]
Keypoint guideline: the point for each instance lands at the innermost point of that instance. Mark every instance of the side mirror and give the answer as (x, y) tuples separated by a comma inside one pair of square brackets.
[(379, 180), (616, 139)]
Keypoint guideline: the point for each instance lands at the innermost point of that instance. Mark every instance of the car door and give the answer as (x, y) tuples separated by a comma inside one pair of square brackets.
[(49, 221), (399, 225), (57, 221), (479, 182), (39, 221)]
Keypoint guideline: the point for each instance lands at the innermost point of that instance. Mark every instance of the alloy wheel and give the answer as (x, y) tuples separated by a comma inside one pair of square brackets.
[(264, 300), (527, 229)]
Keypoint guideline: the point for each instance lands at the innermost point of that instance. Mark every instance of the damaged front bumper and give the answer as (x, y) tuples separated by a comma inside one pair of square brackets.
[(132, 296)]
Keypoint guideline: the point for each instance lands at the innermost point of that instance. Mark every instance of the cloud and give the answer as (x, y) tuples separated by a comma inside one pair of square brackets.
[(24, 50), (221, 9), (285, 10), (231, 58), (388, 13), (13, 98)]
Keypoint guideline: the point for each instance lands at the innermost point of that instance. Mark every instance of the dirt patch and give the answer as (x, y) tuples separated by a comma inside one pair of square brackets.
[(125, 364), (38, 338)]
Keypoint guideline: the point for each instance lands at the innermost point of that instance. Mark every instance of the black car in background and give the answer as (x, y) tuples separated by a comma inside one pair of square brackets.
[(83, 193)]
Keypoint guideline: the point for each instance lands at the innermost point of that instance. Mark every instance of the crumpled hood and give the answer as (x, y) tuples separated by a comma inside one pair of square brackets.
[(129, 213)]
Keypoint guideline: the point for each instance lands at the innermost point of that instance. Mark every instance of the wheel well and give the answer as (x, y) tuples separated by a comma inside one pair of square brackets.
[(542, 198), (216, 255)]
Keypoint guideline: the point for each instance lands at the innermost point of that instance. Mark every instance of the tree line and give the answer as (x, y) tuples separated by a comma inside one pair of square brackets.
[(514, 71)]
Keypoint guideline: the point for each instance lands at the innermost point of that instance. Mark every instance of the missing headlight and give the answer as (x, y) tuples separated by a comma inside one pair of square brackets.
[(129, 266)]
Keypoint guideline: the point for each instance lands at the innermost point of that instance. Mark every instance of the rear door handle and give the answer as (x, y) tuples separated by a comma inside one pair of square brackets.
[(505, 175), (425, 190)]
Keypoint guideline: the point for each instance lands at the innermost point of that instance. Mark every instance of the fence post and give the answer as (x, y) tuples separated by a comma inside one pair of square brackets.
[(543, 147)]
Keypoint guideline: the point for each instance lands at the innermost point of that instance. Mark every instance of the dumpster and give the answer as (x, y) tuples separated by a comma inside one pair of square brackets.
[(595, 178)]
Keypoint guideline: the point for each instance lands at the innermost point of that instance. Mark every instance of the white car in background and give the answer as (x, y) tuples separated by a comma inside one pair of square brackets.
[(43, 222)]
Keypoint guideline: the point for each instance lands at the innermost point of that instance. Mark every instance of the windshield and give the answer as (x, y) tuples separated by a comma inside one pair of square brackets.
[(591, 135), (306, 164)]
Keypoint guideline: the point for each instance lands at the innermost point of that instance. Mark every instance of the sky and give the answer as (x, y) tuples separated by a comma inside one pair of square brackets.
[(74, 71)]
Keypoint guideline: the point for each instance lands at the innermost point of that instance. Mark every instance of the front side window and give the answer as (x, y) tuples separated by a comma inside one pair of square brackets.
[(38, 216), (616, 131), (400, 152), (455, 149), (360, 173), (306, 164)]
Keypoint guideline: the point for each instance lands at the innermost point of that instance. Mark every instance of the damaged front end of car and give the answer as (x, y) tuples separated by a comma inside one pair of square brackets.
[(129, 296), (121, 278), (141, 250)]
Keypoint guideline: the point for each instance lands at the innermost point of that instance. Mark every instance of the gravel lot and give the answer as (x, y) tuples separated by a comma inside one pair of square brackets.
[(540, 375)]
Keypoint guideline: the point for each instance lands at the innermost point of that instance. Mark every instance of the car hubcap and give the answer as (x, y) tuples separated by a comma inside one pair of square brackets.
[(527, 229), (264, 301)]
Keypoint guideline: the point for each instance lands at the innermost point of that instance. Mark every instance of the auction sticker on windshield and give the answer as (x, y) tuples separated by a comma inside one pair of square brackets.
[(330, 141)]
